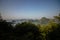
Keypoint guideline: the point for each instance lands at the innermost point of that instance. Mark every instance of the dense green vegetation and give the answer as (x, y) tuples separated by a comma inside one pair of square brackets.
[(29, 31), (23, 31)]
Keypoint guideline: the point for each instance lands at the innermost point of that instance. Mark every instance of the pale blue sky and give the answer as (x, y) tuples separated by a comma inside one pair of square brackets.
[(35, 9)]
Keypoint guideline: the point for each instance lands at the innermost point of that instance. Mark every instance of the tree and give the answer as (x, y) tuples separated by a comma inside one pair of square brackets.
[(57, 18), (0, 17), (27, 31), (5, 30), (55, 34)]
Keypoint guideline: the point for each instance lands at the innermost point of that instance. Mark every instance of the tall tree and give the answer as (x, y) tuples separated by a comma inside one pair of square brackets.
[(57, 18), (27, 31)]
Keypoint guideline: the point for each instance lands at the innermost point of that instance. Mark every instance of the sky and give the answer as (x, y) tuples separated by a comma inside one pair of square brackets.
[(29, 9)]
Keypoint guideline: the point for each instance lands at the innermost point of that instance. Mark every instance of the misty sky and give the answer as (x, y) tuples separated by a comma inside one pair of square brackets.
[(35, 9)]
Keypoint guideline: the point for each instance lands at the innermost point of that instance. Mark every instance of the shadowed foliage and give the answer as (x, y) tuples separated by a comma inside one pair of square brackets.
[(23, 31), (55, 34), (6, 30), (27, 31)]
